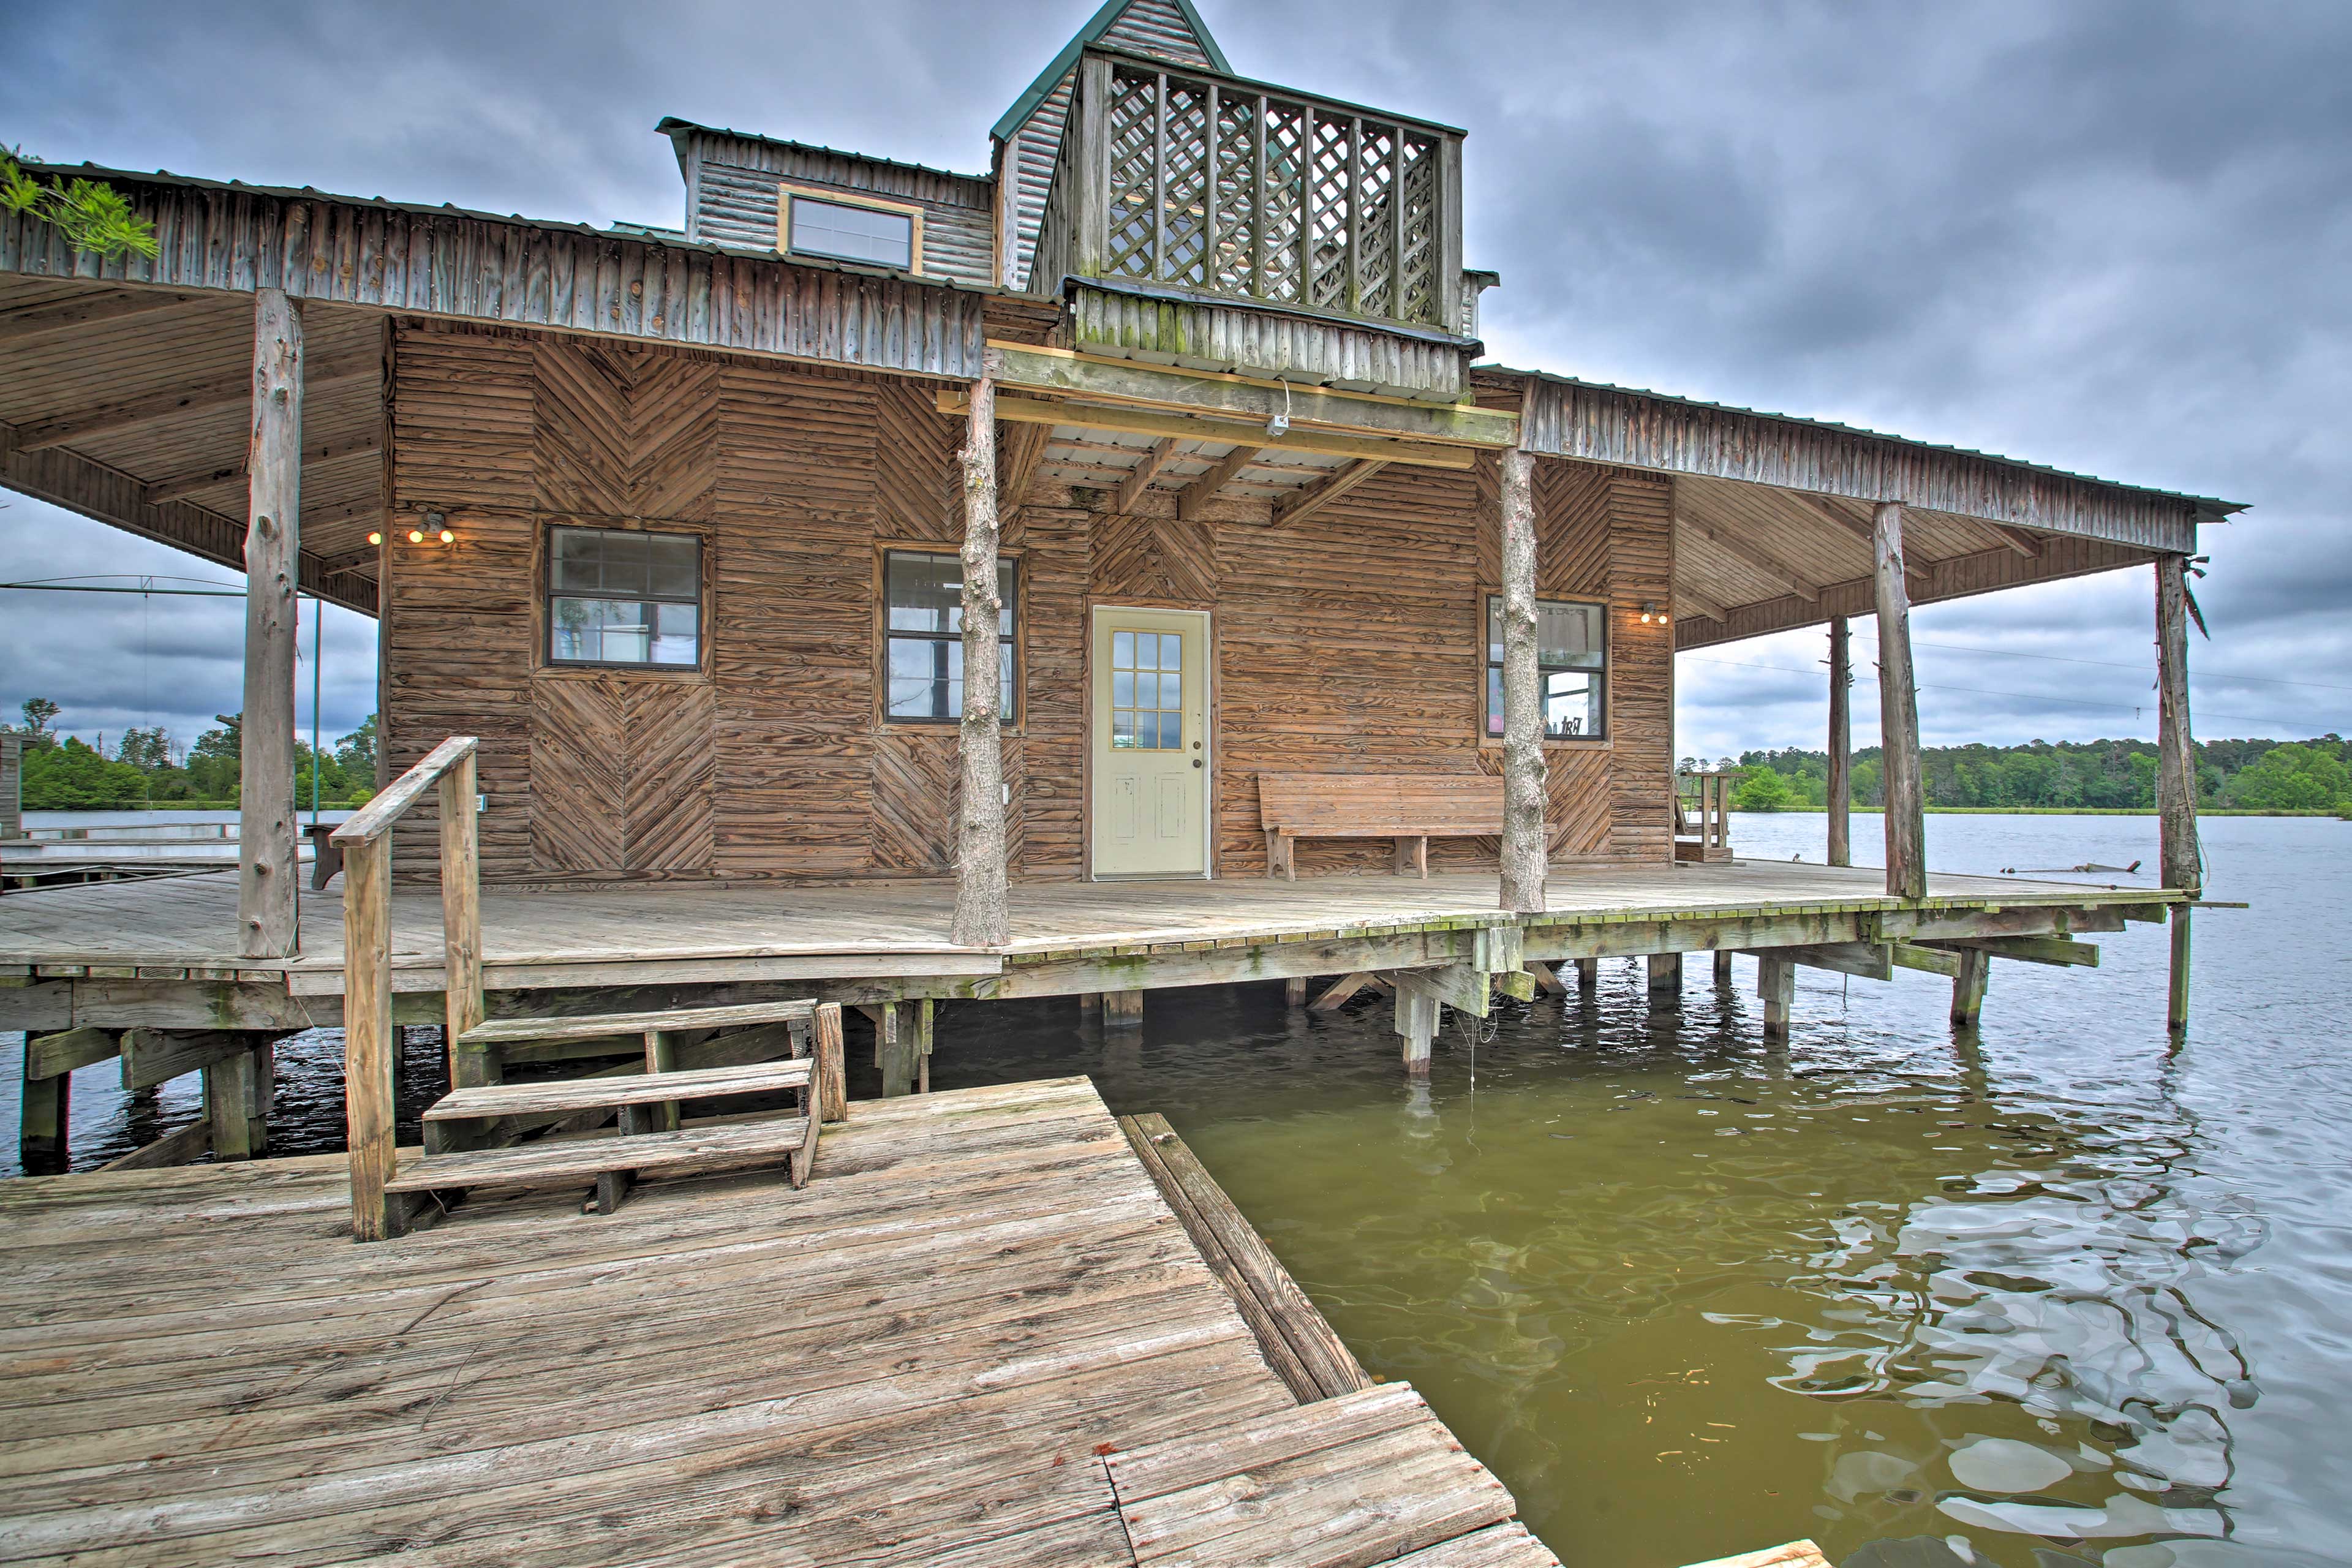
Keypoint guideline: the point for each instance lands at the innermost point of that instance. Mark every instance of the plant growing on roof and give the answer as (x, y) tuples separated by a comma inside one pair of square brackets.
[(92, 214)]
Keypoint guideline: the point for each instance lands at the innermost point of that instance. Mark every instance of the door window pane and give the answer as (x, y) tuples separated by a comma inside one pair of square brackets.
[(1147, 692)]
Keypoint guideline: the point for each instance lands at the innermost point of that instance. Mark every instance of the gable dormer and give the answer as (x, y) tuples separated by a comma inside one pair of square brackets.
[(1028, 138)]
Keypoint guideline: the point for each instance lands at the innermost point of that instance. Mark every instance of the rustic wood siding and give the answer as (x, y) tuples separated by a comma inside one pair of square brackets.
[(1146, 26), (1348, 641), (733, 181)]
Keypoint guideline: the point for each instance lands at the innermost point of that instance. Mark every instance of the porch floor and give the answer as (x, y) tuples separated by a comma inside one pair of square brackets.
[(183, 928)]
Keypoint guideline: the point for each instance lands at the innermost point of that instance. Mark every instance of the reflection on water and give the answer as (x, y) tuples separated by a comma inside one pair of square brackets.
[(2049, 1292)]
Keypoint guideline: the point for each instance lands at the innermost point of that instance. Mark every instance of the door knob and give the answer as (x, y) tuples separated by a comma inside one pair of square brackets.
[(1196, 762)]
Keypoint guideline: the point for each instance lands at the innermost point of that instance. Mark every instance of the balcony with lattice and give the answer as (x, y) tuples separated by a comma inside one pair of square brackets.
[(1188, 207)]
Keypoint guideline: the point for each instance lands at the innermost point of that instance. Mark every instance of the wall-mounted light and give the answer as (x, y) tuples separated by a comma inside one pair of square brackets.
[(1650, 613), (416, 536), (375, 539)]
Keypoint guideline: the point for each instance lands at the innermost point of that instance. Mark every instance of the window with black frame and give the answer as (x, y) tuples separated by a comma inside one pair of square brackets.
[(1572, 668), (619, 596), (923, 638)]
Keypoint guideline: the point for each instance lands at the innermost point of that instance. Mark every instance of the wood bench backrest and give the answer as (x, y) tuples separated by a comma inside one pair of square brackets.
[(1380, 805)]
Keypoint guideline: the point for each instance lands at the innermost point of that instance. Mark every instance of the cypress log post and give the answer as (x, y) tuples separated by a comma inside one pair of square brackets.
[(1723, 966), (267, 865), (1841, 791), (1898, 713), (2176, 769), (1665, 976), (1294, 991), (981, 916), (1588, 977), (1524, 853)]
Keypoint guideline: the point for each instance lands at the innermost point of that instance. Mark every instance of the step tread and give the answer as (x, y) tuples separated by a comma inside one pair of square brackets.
[(513, 1031), (647, 1153), (618, 1090)]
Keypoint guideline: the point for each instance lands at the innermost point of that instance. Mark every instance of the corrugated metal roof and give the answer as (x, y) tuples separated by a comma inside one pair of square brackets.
[(2209, 508), (1097, 26), (674, 128), (651, 235)]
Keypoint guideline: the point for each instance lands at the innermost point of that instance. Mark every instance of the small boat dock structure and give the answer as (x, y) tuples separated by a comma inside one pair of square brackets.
[(1000, 1328)]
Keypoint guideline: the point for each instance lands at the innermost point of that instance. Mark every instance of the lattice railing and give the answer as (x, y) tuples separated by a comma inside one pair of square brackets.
[(1222, 186)]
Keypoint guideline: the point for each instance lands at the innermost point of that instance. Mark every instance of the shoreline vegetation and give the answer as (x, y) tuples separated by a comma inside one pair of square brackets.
[(2339, 812)]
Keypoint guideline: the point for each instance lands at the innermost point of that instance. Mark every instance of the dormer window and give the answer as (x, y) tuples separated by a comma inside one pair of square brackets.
[(879, 234)]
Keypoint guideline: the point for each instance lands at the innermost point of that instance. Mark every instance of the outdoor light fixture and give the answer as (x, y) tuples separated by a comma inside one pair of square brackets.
[(375, 539), (1650, 612), (447, 537), (416, 536)]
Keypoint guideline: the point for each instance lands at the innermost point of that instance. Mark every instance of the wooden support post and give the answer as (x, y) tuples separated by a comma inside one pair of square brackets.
[(1090, 1002), (661, 1056), (461, 917), (1417, 1021), (1337, 994), (1776, 981), (1969, 985), (896, 1027), (1525, 854), (45, 1132), (831, 1077), (926, 1011), (2176, 769), (1122, 1009), (1665, 976), (1841, 790), (1898, 713), (1588, 977), (1294, 991), (268, 883), (367, 1039), (981, 916), (233, 1106), (1547, 980), (1723, 966), (12, 775)]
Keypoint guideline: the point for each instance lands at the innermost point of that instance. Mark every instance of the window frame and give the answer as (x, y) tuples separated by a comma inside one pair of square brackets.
[(912, 211), (1600, 741), (544, 658), (1015, 635)]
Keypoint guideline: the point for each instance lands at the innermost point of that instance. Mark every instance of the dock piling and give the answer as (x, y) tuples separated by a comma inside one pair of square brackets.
[(1417, 1021), (1776, 981)]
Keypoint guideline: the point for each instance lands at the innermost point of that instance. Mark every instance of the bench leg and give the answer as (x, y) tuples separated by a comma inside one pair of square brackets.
[(1281, 855), (1412, 857), (613, 1189)]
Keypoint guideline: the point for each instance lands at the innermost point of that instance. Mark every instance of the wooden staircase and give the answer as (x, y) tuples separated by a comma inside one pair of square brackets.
[(652, 1141)]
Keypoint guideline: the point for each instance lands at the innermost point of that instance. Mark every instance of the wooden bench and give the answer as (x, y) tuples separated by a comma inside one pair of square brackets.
[(1410, 808)]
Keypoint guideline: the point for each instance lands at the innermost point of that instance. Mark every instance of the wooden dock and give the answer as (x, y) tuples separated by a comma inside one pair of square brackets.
[(980, 1336)]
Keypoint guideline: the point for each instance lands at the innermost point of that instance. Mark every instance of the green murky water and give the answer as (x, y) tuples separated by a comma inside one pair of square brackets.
[(2055, 1292)]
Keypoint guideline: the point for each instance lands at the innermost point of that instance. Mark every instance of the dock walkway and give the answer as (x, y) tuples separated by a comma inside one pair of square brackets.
[(980, 1336)]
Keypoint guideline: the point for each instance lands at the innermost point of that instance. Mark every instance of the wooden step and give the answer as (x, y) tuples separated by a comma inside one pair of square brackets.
[(572, 1094), (509, 1031), (644, 1153)]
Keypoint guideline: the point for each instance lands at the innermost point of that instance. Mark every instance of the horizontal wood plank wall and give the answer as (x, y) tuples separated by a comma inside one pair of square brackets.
[(1349, 641)]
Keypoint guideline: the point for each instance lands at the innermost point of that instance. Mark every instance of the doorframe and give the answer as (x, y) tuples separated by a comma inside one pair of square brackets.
[(1208, 872)]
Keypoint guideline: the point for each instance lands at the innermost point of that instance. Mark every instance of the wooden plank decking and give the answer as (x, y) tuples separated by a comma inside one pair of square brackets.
[(941, 1351), (183, 928)]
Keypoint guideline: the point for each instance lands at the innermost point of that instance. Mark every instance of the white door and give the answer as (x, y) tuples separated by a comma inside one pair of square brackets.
[(1151, 753)]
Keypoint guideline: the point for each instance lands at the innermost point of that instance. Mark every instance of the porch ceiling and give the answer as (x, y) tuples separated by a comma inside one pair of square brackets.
[(131, 406), (1751, 559), (1112, 460)]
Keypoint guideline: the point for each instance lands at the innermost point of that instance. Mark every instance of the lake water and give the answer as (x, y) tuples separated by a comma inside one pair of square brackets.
[(2058, 1291)]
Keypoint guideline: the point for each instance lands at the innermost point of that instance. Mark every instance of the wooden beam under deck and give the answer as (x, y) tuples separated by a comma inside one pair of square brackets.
[(1013, 408), (1195, 497)]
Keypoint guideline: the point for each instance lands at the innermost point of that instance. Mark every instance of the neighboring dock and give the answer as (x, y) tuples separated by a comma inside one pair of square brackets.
[(981, 1336)]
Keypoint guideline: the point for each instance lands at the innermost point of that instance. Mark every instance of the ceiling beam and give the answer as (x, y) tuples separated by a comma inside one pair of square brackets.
[(2017, 539), (1700, 602), (198, 481), (85, 309), (1915, 578), (1203, 489), (1756, 558), (1020, 410), (173, 403), (1306, 501), (1131, 488), (1025, 449)]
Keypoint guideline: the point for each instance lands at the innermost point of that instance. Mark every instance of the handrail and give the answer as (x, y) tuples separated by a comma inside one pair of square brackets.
[(366, 841)]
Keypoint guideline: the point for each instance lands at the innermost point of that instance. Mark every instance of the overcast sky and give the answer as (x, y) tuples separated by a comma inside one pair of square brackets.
[(2113, 238)]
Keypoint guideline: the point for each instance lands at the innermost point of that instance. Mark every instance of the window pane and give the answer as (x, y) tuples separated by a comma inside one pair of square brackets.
[(1566, 631), (1147, 691), (852, 233), (925, 591), (1122, 650), (623, 563), (1122, 729), (1494, 701), (1172, 688), (1172, 651), (675, 639), (601, 631), (1171, 731), (1494, 629), (1122, 688), (1571, 705), (672, 563)]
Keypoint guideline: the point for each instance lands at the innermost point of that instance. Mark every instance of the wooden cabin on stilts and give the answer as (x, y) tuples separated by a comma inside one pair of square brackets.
[(1114, 571)]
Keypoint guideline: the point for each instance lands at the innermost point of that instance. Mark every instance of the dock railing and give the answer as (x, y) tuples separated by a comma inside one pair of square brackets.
[(1703, 817), (366, 843)]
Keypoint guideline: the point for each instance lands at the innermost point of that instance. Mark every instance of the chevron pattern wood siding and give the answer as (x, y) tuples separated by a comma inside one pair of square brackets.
[(1348, 641)]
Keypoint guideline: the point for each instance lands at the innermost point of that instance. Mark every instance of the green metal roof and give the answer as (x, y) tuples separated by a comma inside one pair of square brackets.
[(1092, 33)]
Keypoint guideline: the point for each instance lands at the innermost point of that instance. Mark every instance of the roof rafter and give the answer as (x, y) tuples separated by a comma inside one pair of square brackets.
[(1147, 469), (1204, 487), (1755, 557), (1307, 502)]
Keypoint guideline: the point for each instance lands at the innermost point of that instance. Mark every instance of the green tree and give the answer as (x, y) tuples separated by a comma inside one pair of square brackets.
[(91, 214), (1762, 789), (37, 712), (2293, 777), (75, 777), (355, 753)]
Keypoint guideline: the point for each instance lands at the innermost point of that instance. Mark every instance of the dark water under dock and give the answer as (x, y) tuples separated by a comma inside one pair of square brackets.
[(2058, 1285)]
